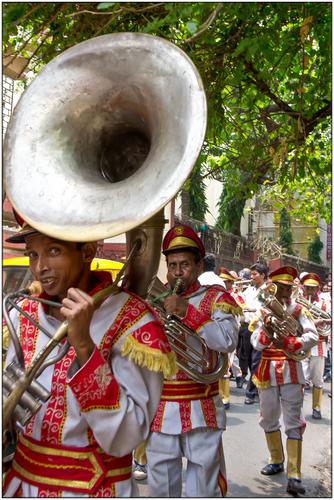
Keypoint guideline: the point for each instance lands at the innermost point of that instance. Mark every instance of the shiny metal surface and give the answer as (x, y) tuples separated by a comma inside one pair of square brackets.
[(281, 322), (193, 356), (317, 314), (104, 136)]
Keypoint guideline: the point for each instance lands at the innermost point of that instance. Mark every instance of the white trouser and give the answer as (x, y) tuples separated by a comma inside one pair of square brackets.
[(235, 366), (203, 449), (314, 367), (287, 398)]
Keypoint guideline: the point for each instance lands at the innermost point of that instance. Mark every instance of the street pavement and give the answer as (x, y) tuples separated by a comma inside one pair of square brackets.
[(246, 452)]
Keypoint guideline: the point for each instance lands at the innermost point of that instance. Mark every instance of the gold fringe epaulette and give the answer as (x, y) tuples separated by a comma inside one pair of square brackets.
[(152, 359), (227, 308), (252, 324), (261, 384)]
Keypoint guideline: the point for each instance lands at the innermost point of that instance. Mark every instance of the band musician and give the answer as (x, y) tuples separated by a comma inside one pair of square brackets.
[(280, 378), (104, 390), (191, 417), (314, 365)]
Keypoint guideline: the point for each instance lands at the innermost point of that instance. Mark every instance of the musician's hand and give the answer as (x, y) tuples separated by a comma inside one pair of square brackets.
[(291, 343), (78, 309), (174, 304), (269, 322)]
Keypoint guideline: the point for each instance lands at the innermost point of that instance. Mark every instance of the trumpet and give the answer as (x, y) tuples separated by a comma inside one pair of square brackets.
[(193, 356), (282, 323), (317, 314), (239, 283)]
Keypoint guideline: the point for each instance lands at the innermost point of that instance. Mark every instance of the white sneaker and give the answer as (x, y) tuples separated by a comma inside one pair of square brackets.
[(139, 472)]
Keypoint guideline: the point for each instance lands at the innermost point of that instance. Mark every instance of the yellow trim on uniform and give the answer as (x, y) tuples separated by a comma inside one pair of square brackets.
[(311, 282), (181, 241), (278, 277), (150, 358)]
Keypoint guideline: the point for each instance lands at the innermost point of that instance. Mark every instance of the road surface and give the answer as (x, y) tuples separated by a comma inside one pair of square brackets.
[(246, 452)]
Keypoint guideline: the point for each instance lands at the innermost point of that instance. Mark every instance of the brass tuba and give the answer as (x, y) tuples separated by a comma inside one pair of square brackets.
[(98, 144), (316, 314), (192, 354), (283, 324)]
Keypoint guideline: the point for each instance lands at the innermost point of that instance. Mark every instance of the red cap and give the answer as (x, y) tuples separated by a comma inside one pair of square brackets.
[(181, 237), (25, 230), (285, 275), (310, 279), (225, 274)]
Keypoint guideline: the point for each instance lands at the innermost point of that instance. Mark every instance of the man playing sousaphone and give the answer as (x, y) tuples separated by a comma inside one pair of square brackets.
[(190, 418), (280, 378), (104, 390)]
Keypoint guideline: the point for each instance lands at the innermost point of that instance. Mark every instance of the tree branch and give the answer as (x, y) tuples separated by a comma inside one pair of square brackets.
[(119, 11), (264, 88), (206, 25)]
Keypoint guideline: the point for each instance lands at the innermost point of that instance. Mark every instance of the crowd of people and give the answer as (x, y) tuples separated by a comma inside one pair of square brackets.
[(122, 408)]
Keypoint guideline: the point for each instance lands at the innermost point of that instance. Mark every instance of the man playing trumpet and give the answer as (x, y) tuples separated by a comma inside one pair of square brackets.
[(279, 376)]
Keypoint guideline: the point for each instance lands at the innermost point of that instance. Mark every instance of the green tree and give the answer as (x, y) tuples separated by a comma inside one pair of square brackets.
[(266, 68), (286, 238), (314, 250)]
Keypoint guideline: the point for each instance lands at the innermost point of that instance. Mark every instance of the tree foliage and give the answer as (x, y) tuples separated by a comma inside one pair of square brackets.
[(266, 68), (314, 250), (286, 238)]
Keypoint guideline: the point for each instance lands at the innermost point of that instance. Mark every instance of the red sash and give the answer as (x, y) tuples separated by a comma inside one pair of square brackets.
[(181, 390), (56, 467)]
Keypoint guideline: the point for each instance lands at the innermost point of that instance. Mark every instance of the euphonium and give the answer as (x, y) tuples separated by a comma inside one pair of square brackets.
[(192, 354), (102, 139), (316, 314), (282, 323)]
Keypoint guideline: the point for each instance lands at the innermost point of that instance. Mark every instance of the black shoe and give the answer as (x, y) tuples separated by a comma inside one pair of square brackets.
[(295, 487), (316, 414), (307, 387), (226, 406), (240, 382), (271, 469)]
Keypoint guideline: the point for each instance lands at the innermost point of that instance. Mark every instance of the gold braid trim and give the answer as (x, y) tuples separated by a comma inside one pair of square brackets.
[(153, 359), (261, 385), (227, 308)]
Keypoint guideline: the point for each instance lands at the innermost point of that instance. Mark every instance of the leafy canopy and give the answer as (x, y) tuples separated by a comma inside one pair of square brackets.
[(266, 68)]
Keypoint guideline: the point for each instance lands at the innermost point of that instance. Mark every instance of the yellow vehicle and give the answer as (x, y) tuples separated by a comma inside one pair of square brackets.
[(16, 273)]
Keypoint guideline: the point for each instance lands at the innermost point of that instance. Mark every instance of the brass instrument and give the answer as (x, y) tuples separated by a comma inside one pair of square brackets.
[(98, 144), (316, 314), (192, 354), (282, 323), (242, 283)]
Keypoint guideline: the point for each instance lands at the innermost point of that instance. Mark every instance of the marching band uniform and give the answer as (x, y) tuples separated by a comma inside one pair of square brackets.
[(80, 442), (191, 418), (280, 381), (314, 365)]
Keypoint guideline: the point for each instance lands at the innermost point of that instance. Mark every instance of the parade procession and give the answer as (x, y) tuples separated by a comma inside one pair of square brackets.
[(160, 341)]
